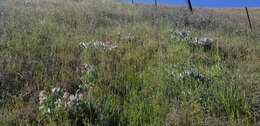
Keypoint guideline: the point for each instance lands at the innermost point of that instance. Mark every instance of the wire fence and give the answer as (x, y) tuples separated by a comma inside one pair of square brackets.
[(190, 6)]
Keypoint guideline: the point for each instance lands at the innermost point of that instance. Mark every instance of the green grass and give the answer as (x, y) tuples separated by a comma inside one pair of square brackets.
[(140, 82)]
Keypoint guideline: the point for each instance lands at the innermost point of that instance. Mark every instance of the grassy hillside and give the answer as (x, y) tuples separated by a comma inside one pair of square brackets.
[(97, 62)]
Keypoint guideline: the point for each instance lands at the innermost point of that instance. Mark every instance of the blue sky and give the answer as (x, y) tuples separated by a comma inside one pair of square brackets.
[(207, 3)]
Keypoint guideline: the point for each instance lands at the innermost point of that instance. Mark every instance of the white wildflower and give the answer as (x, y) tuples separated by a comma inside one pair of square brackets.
[(55, 90), (129, 38), (28, 3), (88, 68), (48, 110), (42, 93), (83, 44), (181, 35), (181, 75), (42, 97), (80, 96), (97, 45), (72, 98), (72, 101), (204, 42), (58, 103), (66, 96)]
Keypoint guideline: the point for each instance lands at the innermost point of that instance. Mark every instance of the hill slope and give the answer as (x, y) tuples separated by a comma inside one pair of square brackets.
[(89, 62)]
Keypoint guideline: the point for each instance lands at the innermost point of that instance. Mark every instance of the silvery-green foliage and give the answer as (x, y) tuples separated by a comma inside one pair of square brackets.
[(181, 35), (98, 45)]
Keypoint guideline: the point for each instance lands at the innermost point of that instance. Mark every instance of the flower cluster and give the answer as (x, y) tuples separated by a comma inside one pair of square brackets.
[(193, 74), (58, 99), (42, 97), (73, 100), (129, 38), (181, 35), (97, 45), (88, 68), (88, 78), (206, 43), (28, 3)]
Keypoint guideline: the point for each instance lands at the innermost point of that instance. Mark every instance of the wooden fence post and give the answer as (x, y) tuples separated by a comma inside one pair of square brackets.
[(190, 5), (249, 20)]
